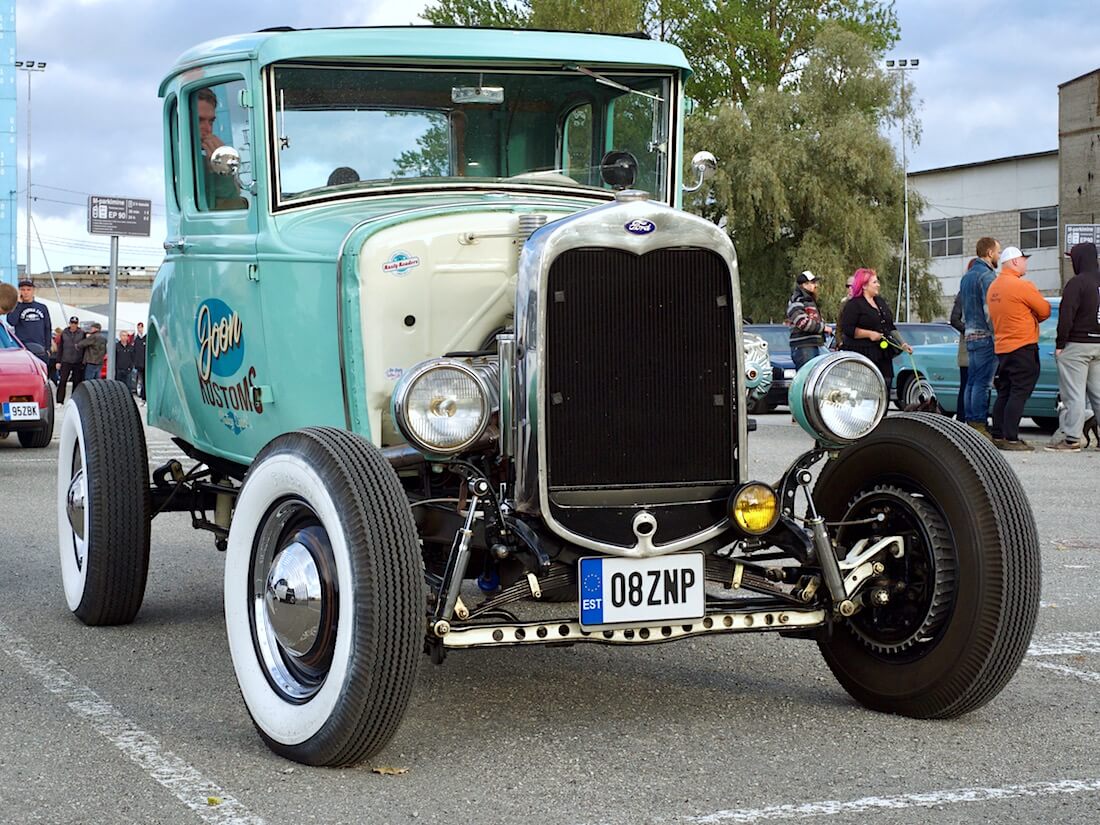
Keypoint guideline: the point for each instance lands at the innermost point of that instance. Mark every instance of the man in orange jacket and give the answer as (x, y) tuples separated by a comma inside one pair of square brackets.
[(1015, 308)]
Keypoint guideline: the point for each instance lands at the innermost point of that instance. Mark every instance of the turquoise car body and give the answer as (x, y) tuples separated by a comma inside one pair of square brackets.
[(256, 323), (939, 365)]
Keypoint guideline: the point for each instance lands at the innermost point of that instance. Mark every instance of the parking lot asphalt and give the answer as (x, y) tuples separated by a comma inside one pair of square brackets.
[(144, 723)]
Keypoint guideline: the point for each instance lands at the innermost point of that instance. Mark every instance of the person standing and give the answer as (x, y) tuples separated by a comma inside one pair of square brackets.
[(958, 322), (139, 359), (71, 358), (124, 359), (1015, 309), (981, 358), (31, 319), (808, 329), (866, 320), (1077, 346), (94, 347)]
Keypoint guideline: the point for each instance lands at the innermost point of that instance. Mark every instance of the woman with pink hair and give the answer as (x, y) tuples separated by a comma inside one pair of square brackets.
[(867, 320)]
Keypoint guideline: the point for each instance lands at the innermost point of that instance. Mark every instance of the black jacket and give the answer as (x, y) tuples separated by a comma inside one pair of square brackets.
[(94, 346), (124, 358), (139, 351), (1079, 315), (70, 352), (858, 313)]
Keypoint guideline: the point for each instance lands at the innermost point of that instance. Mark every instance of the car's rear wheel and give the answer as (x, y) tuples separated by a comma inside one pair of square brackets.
[(961, 603), (103, 505), (916, 390), (44, 435), (324, 597)]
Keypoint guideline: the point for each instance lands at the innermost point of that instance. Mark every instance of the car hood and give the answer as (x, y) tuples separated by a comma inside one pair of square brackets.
[(320, 229)]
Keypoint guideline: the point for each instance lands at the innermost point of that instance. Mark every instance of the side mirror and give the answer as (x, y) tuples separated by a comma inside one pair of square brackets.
[(705, 165), (225, 160)]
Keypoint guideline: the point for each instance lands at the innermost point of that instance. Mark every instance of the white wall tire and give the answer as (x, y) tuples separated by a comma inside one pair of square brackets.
[(338, 486), (103, 504)]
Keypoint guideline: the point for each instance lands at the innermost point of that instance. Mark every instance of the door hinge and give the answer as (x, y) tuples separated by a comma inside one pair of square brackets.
[(254, 272)]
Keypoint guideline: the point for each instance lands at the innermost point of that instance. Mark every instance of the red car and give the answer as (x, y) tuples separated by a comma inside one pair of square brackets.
[(26, 395)]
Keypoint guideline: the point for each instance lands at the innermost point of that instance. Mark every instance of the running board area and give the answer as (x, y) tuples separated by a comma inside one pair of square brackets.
[(571, 632)]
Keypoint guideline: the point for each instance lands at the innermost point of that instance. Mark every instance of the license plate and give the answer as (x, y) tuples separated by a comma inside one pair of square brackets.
[(646, 591), (21, 411)]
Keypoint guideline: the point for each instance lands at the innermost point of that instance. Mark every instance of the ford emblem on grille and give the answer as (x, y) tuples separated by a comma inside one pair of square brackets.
[(640, 227)]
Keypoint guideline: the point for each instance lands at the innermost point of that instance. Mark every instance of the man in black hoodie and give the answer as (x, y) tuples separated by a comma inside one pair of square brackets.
[(1077, 345)]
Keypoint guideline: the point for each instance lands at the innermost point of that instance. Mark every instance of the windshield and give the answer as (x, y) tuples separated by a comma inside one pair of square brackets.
[(777, 336), (345, 128)]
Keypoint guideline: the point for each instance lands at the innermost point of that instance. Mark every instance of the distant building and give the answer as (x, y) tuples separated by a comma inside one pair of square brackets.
[(1013, 199), (1078, 134)]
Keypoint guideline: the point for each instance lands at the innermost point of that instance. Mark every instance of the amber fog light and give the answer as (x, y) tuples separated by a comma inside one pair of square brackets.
[(755, 508)]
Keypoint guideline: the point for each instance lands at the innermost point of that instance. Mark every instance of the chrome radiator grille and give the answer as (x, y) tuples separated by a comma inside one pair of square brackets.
[(639, 370)]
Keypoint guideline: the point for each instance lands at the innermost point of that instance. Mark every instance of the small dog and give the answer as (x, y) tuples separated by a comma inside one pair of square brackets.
[(1091, 432)]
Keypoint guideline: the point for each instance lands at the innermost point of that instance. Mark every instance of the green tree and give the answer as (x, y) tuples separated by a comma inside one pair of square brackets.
[(733, 45), (807, 180)]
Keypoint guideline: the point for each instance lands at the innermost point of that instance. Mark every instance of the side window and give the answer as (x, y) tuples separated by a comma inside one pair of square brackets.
[(220, 120), (174, 146), (577, 146)]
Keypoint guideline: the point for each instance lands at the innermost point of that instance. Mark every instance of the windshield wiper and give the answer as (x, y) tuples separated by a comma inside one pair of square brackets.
[(606, 81)]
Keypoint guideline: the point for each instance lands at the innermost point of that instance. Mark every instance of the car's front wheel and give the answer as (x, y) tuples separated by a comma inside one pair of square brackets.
[(946, 625), (324, 597)]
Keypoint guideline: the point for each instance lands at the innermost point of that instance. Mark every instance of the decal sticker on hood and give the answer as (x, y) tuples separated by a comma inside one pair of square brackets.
[(400, 263)]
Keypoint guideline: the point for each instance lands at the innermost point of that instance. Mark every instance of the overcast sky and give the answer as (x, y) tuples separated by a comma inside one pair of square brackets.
[(988, 81)]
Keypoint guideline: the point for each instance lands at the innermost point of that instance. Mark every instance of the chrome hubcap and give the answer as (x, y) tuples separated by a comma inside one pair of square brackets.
[(293, 599), (74, 503)]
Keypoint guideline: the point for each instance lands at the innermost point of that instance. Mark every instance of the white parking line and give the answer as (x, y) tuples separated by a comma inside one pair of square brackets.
[(1084, 675), (1066, 644), (187, 784), (932, 799)]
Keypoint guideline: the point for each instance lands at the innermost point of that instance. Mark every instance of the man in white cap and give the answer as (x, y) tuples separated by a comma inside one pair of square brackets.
[(1015, 308), (808, 328)]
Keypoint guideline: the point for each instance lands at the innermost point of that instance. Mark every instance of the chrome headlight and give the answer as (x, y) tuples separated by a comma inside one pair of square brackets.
[(442, 406), (839, 398)]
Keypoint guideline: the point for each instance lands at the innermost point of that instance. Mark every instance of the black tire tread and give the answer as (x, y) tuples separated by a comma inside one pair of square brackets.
[(389, 583), (118, 503), (1003, 632)]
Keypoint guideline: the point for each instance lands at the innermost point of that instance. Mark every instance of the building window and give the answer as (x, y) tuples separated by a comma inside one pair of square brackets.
[(944, 237), (1038, 227)]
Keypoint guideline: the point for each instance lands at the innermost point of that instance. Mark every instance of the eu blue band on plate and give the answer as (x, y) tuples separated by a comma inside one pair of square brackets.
[(591, 591)]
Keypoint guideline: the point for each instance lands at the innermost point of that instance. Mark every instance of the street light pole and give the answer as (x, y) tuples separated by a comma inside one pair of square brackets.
[(29, 66), (900, 67)]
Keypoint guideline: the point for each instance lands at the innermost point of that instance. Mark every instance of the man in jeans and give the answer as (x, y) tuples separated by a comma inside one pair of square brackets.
[(1016, 308), (808, 329), (1077, 346), (982, 360)]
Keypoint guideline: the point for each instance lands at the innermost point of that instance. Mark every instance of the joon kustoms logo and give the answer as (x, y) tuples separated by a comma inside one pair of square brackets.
[(640, 227), (220, 337)]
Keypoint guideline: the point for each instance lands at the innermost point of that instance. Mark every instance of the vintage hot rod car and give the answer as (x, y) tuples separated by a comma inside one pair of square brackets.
[(443, 346)]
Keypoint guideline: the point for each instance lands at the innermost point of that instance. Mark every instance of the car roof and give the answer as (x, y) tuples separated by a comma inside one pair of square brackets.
[(434, 43)]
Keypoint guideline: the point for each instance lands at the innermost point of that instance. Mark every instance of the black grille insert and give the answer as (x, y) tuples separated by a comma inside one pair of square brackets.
[(638, 369)]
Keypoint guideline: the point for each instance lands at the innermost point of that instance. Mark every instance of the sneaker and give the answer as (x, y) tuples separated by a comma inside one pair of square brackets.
[(980, 428), (1015, 446), (1064, 446)]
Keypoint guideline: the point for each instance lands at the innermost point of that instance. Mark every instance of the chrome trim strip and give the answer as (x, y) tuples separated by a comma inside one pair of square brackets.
[(554, 632), (506, 358)]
